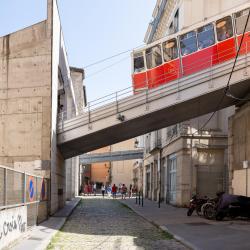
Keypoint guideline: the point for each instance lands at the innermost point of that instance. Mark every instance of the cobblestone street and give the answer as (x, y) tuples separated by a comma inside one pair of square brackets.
[(99, 223)]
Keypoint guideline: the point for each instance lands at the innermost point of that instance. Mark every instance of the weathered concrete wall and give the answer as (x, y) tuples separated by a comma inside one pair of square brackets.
[(30, 60), (25, 97), (239, 149)]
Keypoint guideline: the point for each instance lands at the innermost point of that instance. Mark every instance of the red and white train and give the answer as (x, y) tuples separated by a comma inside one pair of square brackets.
[(191, 50)]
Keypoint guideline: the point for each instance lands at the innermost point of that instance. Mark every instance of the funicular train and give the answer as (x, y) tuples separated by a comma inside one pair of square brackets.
[(191, 50)]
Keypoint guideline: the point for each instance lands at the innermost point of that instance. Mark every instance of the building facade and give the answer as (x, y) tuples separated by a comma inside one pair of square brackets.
[(122, 171), (190, 157)]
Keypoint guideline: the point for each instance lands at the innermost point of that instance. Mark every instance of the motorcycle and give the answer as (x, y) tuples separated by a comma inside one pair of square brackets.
[(196, 204), (233, 206), (210, 207)]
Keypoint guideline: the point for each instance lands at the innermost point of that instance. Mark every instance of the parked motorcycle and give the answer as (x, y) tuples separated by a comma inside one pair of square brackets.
[(196, 204), (233, 206), (209, 209)]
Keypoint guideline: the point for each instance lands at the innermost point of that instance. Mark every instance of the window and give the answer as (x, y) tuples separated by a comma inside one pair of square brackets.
[(153, 56), (240, 21), (188, 43), (171, 29), (176, 21), (170, 50), (224, 28), (205, 36), (138, 62)]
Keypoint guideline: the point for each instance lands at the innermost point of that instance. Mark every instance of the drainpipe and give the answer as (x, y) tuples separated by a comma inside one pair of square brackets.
[(160, 154)]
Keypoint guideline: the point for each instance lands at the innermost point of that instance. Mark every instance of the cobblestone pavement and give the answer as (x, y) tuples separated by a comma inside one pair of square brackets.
[(106, 224)]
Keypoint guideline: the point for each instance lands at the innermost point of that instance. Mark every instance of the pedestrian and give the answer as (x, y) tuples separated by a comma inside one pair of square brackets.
[(86, 189), (103, 190), (114, 190), (94, 189), (109, 189), (89, 189), (130, 191), (124, 191), (120, 188)]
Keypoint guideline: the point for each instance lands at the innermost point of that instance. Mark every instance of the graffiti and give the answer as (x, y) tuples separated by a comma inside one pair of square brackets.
[(13, 223)]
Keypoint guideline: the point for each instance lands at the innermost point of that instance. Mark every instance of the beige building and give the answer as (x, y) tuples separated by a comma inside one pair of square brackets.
[(122, 171), (100, 171), (190, 157), (239, 151), (36, 84)]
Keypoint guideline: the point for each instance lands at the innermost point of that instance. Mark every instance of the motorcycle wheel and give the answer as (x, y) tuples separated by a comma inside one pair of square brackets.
[(209, 211)]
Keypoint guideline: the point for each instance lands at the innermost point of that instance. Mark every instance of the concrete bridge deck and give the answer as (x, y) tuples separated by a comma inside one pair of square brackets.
[(180, 100)]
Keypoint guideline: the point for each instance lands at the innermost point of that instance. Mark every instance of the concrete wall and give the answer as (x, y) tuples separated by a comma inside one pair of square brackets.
[(239, 149), (29, 63), (25, 98)]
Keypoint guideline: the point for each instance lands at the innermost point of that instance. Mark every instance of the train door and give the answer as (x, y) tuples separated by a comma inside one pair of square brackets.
[(171, 60), (139, 76), (240, 23), (188, 45), (155, 73), (226, 47)]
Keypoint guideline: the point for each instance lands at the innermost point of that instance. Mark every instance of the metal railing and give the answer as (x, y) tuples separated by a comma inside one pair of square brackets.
[(19, 188), (202, 68)]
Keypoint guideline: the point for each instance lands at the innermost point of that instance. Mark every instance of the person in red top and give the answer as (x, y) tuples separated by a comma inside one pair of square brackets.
[(114, 190)]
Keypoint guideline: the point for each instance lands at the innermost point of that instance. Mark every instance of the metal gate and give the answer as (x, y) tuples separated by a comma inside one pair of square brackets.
[(209, 180)]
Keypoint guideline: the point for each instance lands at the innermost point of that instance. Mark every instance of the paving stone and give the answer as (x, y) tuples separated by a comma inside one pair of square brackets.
[(102, 224)]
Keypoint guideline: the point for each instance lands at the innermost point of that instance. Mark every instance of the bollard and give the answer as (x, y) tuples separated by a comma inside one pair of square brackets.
[(136, 198), (139, 198), (142, 199)]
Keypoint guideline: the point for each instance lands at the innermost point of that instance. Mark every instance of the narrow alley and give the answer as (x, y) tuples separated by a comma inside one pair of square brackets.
[(99, 223)]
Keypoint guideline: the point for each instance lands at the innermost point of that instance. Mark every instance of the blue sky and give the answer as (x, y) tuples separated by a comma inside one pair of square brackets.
[(93, 30)]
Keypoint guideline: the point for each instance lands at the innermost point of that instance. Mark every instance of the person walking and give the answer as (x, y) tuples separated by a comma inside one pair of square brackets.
[(124, 191), (103, 190), (114, 190), (109, 189), (94, 189), (86, 189), (130, 192), (89, 189)]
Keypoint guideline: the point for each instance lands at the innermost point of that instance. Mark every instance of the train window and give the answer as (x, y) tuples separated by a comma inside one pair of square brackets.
[(138, 62), (153, 56), (188, 43), (224, 28), (205, 36), (170, 50), (240, 21)]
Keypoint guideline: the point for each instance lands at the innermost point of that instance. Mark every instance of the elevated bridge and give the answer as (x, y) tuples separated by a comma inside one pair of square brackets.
[(129, 116), (111, 156)]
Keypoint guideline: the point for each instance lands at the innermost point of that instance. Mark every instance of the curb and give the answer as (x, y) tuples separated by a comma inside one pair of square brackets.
[(47, 242), (60, 221), (164, 228)]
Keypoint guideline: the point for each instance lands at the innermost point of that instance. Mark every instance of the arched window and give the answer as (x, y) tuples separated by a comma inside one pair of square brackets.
[(224, 28), (153, 56), (170, 50), (205, 36), (240, 21), (188, 43), (139, 62)]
